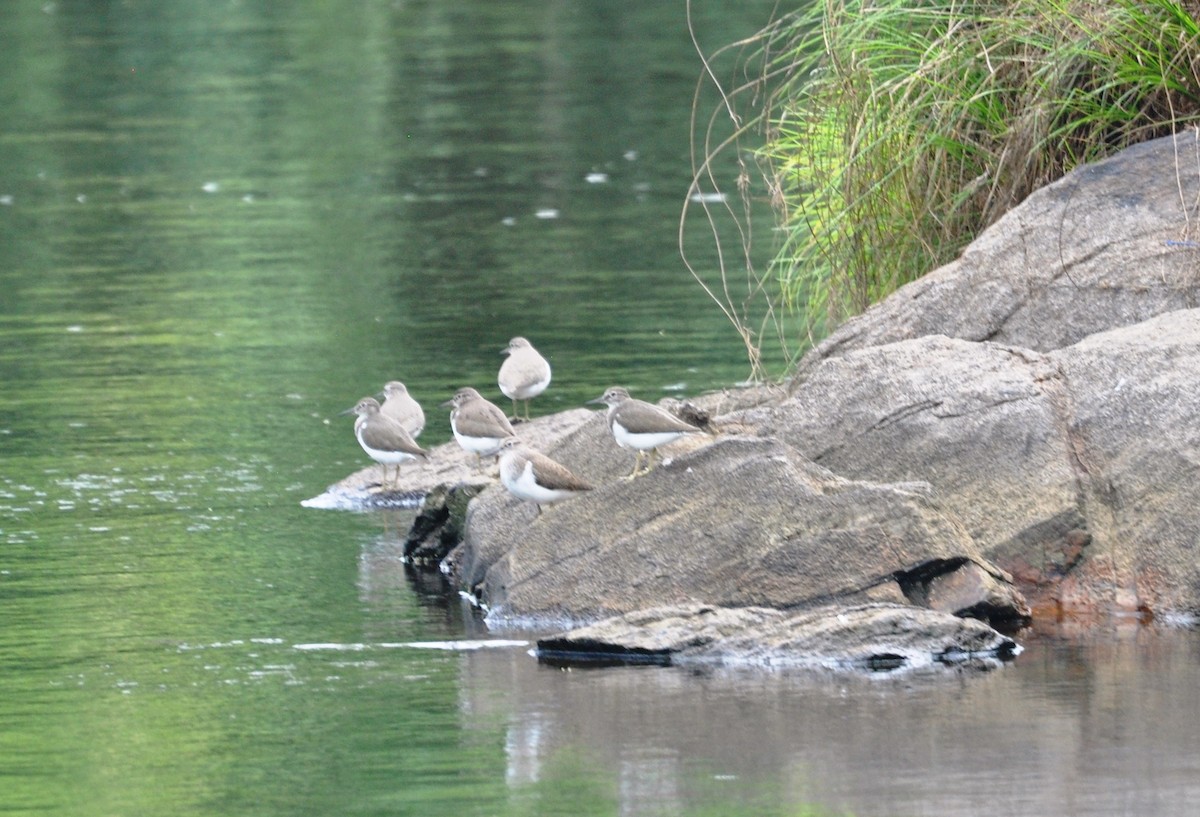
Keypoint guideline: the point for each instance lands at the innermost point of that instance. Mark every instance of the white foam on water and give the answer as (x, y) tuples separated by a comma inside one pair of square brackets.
[(331, 502), (453, 646), (463, 646)]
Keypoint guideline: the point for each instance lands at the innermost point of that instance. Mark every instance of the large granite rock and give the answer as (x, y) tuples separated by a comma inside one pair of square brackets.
[(1072, 470), (986, 425), (1041, 385), (739, 521)]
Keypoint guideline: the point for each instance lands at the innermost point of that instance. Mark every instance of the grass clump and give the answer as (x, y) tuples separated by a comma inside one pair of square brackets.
[(894, 131)]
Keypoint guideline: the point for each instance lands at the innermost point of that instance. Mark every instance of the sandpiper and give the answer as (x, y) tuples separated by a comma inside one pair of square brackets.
[(401, 407), (641, 426), (384, 440), (534, 477), (524, 375), (479, 426)]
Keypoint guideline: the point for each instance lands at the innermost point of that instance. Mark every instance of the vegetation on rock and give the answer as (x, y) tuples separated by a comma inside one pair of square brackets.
[(889, 133)]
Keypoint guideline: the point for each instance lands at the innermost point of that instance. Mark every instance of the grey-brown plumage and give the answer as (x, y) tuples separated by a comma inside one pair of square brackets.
[(479, 425), (384, 440), (401, 407), (534, 477), (524, 375), (641, 426)]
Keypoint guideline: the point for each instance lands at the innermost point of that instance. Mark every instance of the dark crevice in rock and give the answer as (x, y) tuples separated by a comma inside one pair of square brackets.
[(890, 419), (914, 582), (1058, 388), (1002, 618), (981, 407), (905, 412), (996, 330), (844, 595), (1087, 485), (438, 527), (885, 662), (964, 588)]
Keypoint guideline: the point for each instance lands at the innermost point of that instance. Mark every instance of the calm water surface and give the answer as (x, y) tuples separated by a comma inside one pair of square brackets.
[(220, 224)]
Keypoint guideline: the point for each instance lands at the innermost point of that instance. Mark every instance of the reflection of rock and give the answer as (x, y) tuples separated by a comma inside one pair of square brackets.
[(870, 636), (1072, 710)]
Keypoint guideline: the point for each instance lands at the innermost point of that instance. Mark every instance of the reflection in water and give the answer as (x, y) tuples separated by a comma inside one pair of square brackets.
[(523, 747), (1021, 740)]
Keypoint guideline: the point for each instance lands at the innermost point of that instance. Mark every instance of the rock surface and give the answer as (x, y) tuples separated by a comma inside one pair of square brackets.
[(1135, 432), (986, 425), (1072, 470), (863, 637), (739, 521)]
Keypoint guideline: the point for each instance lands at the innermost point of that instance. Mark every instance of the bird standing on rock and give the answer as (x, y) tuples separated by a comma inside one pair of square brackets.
[(524, 375), (384, 440), (401, 407), (534, 477), (479, 426), (641, 426)]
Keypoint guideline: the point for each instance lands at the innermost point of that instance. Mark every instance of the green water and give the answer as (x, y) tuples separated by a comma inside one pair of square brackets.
[(222, 223)]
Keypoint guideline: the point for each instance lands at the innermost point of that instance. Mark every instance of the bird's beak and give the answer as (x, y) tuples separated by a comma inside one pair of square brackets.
[(598, 401), (347, 411), (446, 404)]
